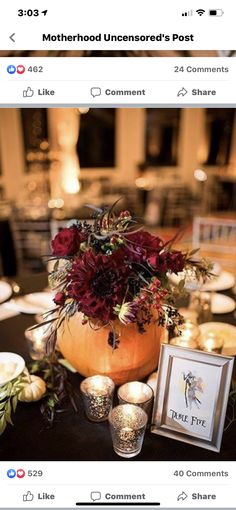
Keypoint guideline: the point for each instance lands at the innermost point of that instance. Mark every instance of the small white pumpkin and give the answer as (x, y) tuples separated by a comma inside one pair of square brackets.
[(33, 390)]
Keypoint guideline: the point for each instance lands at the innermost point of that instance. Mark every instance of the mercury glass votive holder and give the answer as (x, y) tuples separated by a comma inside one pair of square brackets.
[(210, 342), (37, 339), (97, 393), (137, 393), (127, 423), (188, 337)]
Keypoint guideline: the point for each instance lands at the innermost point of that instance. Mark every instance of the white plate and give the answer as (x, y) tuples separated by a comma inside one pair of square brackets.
[(226, 331), (38, 302), (222, 304), (5, 291), (11, 357), (224, 281)]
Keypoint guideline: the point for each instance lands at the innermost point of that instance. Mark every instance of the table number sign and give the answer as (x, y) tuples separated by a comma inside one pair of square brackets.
[(192, 396)]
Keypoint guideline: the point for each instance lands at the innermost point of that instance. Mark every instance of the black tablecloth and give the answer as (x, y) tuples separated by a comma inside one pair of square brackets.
[(7, 249), (73, 437)]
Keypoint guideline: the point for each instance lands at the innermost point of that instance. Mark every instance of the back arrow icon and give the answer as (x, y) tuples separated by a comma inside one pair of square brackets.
[(12, 37)]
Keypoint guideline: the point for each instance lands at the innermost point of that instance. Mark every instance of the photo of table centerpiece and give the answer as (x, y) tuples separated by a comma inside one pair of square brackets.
[(113, 298)]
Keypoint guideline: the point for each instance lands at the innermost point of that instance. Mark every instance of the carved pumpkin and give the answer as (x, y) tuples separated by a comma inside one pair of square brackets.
[(88, 350)]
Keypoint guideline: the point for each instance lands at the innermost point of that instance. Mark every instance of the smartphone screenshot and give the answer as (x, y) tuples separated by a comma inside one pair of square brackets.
[(117, 255)]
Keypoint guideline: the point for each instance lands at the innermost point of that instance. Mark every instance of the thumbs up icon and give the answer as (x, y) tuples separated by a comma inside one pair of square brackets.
[(28, 92), (28, 497)]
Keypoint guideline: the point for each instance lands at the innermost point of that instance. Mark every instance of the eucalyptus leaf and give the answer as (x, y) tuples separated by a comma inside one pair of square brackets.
[(3, 424), (3, 393), (14, 403), (8, 412)]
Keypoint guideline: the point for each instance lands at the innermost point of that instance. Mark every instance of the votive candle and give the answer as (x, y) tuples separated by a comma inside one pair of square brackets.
[(137, 393), (97, 392), (37, 339), (127, 423), (211, 343), (189, 335)]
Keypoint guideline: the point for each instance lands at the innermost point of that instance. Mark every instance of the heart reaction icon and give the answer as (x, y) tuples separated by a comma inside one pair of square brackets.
[(20, 69), (20, 473)]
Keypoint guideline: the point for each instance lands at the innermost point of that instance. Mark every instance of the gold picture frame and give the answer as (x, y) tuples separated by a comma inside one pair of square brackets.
[(192, 396)]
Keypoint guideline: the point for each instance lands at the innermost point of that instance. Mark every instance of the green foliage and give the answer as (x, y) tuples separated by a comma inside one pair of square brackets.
[(9, 394), (59, 390)]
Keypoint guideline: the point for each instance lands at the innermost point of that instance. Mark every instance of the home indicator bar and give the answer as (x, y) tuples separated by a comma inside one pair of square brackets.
[(119, 504)]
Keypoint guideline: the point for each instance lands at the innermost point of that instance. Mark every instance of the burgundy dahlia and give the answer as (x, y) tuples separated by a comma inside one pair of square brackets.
[(67, 241), (98, 283)]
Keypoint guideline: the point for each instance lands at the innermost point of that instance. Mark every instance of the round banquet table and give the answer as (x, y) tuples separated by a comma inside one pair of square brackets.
[(72, 436)]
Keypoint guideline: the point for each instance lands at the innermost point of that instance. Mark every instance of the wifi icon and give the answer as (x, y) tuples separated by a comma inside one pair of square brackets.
[(200, 12)]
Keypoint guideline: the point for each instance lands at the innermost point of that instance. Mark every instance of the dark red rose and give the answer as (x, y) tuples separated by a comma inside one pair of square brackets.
[(98, 283), (67, 241), (142, 245), (59, 298), (159, 262), (173, 261), (176, 261)]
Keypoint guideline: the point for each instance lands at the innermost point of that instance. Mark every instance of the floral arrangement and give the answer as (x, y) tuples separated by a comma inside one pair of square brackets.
[(114, 271)]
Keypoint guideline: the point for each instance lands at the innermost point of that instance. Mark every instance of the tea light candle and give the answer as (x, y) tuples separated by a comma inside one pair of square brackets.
[(97, 392), (211, 343), (136, 393), (37, 339), (190, 333), (127, 423)]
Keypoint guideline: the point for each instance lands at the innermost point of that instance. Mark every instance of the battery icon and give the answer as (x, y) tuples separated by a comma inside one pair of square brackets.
[(216, 12)]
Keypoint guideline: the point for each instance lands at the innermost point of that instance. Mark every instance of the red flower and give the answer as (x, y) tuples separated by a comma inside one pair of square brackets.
[(167, 261), (59, 298), (67, 241), (159, 262), (142, 245), (176, 261), (98, 283)]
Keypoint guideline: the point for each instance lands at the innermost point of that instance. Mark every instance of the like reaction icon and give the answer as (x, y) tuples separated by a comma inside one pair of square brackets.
[(11, 473), (11, 69)]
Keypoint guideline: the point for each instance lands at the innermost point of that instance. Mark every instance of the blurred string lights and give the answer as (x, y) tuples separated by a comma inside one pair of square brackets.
[(200, 175)]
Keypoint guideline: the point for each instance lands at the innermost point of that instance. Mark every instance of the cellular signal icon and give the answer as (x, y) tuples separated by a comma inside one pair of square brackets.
[(200, 12), (188, 13)]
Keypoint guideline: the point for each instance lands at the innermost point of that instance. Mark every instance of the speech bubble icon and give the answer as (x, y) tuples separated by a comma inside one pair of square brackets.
[(95, 496), (95, 91)]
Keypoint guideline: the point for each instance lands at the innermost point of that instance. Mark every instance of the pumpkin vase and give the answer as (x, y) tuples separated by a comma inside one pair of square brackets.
[(88, 350)]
